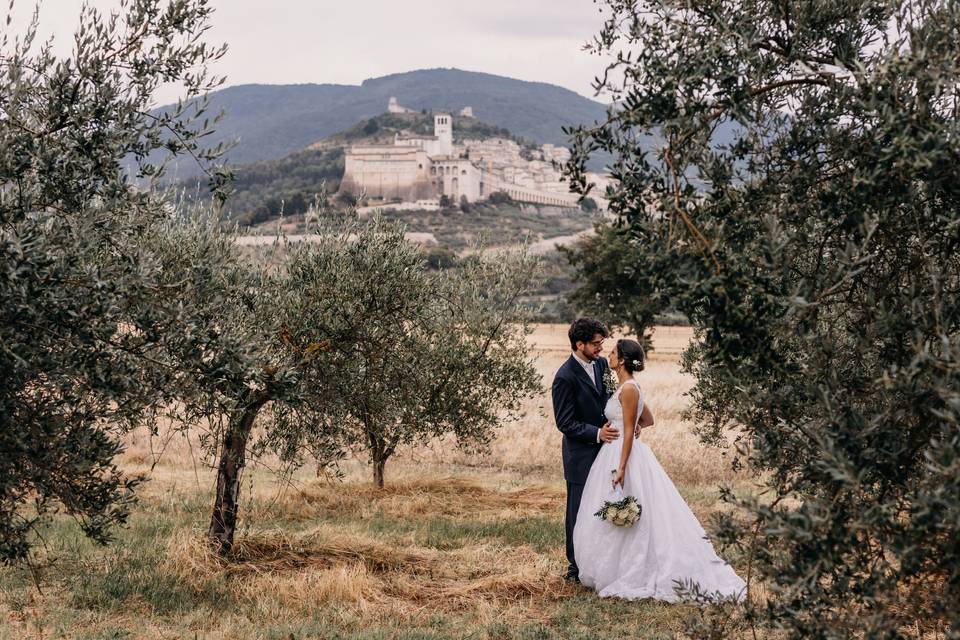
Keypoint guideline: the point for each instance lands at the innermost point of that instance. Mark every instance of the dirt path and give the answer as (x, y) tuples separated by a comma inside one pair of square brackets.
[(550, 244), (267, 240)]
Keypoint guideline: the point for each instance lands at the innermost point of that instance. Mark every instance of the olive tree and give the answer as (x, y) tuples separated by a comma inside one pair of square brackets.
[(72, 271), (606, 266), (237, 376), (413, 354), (800, 205)]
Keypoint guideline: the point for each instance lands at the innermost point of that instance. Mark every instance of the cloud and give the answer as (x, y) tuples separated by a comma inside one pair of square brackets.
[(298, 41), (573, 20)]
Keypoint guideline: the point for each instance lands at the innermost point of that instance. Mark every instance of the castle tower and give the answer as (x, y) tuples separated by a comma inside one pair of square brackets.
[(443, 130), (394, 107)]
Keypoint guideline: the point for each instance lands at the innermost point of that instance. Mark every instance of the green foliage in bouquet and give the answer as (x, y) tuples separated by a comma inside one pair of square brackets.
[(800, 203), (622, 513)]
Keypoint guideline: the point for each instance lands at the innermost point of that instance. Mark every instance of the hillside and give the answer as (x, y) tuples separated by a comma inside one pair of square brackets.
[(272, 121), (261, 190), (381, 128)]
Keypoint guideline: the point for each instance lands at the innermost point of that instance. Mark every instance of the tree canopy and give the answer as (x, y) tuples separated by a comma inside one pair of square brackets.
[(816, 253), (611, 286), (417, 353), (78, 287)]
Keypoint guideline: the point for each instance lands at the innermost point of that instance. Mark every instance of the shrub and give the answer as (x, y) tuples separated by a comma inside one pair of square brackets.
[(499, 197)]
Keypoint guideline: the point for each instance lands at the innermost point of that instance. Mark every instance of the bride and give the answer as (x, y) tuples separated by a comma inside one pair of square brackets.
[(668, 544)]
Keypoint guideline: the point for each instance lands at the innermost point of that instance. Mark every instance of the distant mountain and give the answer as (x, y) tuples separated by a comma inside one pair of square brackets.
[(271, 121)]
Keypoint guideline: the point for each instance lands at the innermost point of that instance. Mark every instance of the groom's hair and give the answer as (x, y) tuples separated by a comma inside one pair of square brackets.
[(583, 330)]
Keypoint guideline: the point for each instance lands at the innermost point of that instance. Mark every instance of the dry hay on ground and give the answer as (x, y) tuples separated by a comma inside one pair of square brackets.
[(385, 577), (452, 497), (275, 571)]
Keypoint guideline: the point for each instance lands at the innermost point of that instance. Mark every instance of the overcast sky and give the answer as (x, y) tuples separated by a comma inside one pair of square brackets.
[(348, 41)]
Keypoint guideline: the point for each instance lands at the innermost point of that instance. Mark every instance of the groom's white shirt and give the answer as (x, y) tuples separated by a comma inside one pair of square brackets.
[(588, 367)]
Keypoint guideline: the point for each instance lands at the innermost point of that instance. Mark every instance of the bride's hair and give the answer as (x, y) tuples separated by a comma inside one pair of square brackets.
[(630, 353)]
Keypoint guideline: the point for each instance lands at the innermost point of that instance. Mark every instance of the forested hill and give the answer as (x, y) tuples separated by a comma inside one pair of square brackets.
[(272, 121)]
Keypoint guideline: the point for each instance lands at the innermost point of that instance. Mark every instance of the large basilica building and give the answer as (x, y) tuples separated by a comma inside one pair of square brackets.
[(424, 168)]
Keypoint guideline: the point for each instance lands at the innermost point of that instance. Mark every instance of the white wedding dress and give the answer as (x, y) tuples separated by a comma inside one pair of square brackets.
[(666, 545)]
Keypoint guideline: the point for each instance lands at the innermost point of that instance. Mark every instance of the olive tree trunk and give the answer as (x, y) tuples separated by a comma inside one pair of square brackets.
[(223, 522), (380, 451), (378, 466)]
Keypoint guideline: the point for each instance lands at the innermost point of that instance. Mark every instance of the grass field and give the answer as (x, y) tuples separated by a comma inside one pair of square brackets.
[(493, 225), (456, 546)]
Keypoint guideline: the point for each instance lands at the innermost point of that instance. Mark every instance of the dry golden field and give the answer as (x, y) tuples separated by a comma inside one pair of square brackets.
[(456, 545)]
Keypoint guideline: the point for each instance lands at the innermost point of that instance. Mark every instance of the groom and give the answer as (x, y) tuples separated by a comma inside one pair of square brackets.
[(579, 398)]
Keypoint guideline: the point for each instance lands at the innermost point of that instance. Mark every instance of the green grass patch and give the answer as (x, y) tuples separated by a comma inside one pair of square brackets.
[(107, 634), (130, 578), (540, 533)]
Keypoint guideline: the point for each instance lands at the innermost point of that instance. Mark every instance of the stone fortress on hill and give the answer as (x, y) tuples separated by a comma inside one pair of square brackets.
[(421, 169)]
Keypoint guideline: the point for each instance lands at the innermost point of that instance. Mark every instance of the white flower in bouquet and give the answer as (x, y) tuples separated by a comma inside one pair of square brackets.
[(622, 513)]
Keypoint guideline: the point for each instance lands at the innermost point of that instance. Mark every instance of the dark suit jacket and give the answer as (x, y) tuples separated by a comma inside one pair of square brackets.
[(578, 407)]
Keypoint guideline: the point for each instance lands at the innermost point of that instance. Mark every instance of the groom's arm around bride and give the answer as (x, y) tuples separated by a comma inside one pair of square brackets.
[(564, 412)]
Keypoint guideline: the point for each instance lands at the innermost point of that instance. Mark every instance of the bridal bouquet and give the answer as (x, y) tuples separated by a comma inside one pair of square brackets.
[(609, 381), (622, 513)]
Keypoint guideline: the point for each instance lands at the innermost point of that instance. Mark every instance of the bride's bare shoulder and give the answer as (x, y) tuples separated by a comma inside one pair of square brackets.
[(630, 392)]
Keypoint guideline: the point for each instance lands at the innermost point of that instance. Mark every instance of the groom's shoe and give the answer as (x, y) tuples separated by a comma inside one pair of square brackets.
[(572, 575)]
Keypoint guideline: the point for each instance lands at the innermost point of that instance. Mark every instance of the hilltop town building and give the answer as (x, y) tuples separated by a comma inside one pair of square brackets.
[(394, 107), (427, 167)]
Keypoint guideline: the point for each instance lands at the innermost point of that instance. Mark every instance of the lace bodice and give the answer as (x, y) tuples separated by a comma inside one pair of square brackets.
[(614, 410)]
